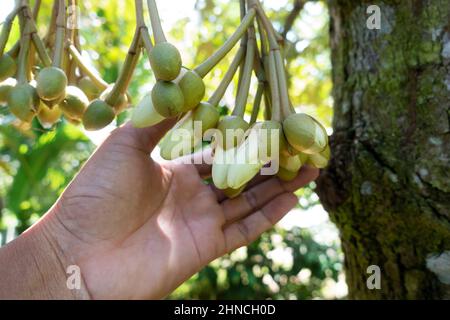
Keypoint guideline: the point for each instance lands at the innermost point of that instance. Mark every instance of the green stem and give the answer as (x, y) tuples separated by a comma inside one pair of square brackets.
[(121, 85), (48, 39), (70, 65), (36, 9), (6, 30), (60, 34), (203, 69), (267, 103), (73, 20), (258, 67), (22, 76), (262, 38), (72, 77), (284, 94), (277, 61), (270, 29), (257, 103), (37, 41), (274, 89), (244, 40), (40, 49), (92, 74), (228, 77), (244, 87), (267, 25), (14, 51), (158, 32), (145, 35)]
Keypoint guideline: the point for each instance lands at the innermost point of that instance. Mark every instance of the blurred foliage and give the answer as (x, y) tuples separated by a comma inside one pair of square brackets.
[(36, 165), (257, 272)]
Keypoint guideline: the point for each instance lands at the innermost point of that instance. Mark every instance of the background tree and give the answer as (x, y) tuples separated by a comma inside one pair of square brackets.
[(387, 188)]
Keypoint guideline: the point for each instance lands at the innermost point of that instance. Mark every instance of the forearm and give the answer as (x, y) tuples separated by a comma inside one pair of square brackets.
[(33, 267)]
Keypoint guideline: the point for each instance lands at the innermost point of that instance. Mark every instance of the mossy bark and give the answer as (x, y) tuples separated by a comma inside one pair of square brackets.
[(388, 184)]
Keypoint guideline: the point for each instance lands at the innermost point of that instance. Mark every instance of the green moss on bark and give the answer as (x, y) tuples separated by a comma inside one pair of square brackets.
[(387, 187)]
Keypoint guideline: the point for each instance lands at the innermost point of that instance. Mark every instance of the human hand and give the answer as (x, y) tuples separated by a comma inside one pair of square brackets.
[(138, 229)]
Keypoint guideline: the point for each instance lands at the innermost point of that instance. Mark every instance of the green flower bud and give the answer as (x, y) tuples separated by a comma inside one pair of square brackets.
[(8, 67), (167, 99), (54, 102), (292, 164), (165, 60), (270, 130), (5, 89), (286, 175), (51, 83), (193, 89), (75, 103), (121, 104), (246, 164), (235, 127), (48, 117), (98, 115), (180, 140), (23, 102), (320, 160), (305, 134), (144, 114), (221, 161), (89, 88), (234, 193), (74, 122), (207, 114)]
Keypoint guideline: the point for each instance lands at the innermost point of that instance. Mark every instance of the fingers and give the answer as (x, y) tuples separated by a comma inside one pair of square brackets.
[(251, 200), (260, 194), (305, 176), (147, 138), (247, 230), (255, 181)]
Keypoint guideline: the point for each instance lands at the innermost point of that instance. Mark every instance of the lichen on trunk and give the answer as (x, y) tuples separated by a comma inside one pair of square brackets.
[(388, 184)]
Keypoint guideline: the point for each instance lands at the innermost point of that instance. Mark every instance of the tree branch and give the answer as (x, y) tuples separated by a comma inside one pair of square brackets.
[(288, 24)]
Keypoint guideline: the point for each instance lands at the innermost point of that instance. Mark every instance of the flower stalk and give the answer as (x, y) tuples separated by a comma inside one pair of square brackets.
[(204, 68)]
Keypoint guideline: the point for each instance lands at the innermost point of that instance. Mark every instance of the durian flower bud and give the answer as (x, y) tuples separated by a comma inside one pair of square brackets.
[(320, 160), (144, 114), (292, 164), (8, 67), (24, 102), (248, 161), (121, 104), (75, 103), (234, 193), (207, 114), (221, 162), (232, 131), (48, 117), (286, 175), (305, 134), (181, 139), (5, 88), (98, 115), (51, 83)]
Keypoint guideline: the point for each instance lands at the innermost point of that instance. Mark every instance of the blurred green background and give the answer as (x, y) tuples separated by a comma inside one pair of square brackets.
[(300, 258)]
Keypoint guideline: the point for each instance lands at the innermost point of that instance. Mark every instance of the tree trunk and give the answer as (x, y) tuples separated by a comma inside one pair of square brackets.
[(387, 187)]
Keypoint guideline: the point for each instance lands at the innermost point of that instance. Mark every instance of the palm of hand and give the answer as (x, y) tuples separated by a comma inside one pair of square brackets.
[(138, 229)]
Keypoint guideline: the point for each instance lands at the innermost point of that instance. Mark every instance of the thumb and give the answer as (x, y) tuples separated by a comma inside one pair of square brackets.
[(147, 138)]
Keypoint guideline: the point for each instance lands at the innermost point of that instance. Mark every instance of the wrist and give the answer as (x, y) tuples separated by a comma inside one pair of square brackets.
[(34, 266)]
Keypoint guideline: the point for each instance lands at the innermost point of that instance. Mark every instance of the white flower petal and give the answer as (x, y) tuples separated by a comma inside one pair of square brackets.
[(144, 114)]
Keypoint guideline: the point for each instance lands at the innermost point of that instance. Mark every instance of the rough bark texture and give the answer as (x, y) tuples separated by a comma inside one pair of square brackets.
[(387, 187)]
